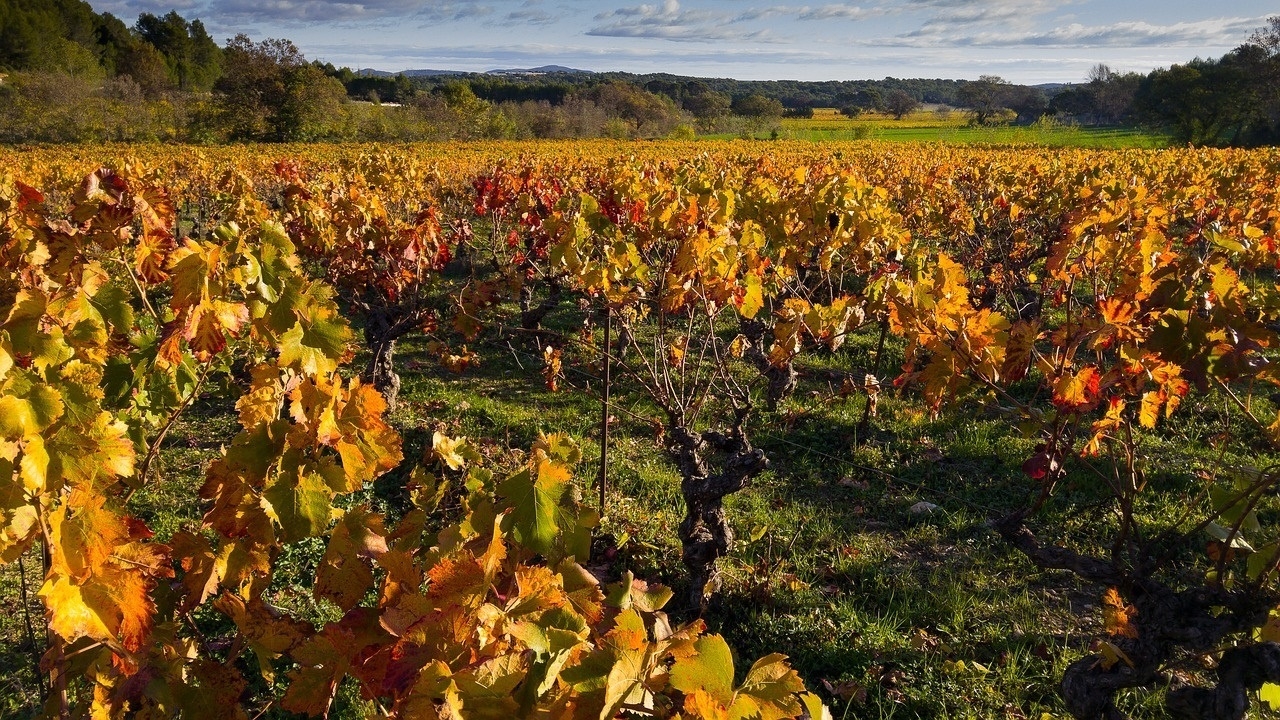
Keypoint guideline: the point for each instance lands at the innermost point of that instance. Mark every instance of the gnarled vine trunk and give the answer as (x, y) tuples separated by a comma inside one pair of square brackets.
[(1169, 623), (531, 314), (381, 331), (782, 378), (705, 533), (381, 370)]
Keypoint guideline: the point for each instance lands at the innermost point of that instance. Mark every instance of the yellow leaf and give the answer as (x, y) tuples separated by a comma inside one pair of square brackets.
[(815, 707), (446, 450), (709, 667), (1269, 693), (1117, 615), (701, 705), (1150, 413), (752, 296), (1112, 655)]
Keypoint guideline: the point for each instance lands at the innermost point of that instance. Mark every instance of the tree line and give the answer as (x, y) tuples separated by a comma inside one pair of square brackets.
[(70, 74)]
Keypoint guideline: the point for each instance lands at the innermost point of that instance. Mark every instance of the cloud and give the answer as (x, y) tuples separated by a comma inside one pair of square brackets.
[(318, 11), (129, 9), (481, 57), (953, 14), (669, 21), (834, 11), (529, 14), (1218, 32)]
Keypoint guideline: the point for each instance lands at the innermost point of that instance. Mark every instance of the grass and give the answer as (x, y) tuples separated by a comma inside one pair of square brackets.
[(904, 614), (832, 568), (953, 127), (891, 613)]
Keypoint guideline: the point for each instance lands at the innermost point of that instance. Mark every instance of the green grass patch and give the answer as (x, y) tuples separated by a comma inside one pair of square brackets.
[(952, 127)]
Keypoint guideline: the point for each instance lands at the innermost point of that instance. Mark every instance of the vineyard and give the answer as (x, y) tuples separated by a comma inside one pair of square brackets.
[(641, 430)]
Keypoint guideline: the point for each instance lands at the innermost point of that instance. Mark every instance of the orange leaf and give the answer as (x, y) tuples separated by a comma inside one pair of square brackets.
[(1117, 616), (1079, 392)]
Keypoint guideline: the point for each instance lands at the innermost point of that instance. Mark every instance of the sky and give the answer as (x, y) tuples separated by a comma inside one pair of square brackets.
[(1024, 41)]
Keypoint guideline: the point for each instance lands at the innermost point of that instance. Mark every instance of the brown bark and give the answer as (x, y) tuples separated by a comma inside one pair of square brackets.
[(705, 532), (532, 315), (782, 379)]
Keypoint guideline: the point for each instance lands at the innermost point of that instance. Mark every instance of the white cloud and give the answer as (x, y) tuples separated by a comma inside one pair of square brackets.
[(127, 10), (833, 11), (669, 21), (836, 12), (1218, 32), (322, 11)]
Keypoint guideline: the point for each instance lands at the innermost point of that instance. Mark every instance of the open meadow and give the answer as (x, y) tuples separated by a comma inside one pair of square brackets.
[(954, 126), (977, 428)]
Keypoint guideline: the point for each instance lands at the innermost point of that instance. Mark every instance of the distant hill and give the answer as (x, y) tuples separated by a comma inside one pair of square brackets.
[(541, 70), (370, 72)]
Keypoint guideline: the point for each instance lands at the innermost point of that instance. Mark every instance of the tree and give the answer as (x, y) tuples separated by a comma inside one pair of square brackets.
[(34, 34), (757, 106), (901, 103), (1268, 39), (1113, 93), (1268, 36), (194, 59), (1211, 102), (147, 67), (707, 104), (1076, 102), (984, 97), (1028, 102), (645, 112), (269, 92), (311, 100)]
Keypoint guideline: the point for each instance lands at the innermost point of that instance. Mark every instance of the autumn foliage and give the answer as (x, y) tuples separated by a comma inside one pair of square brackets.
[(1086, 297)]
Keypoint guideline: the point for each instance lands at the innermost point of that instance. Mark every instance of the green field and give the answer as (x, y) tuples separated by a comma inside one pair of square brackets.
[(954, 128)]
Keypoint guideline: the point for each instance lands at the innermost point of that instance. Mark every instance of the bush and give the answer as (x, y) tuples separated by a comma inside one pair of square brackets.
[(683, 131)]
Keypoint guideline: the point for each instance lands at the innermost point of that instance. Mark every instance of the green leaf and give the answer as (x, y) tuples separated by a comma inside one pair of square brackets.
[(300, 505), (576, 524), (277, 259), (314, 347), (709, 669), (1233, 504), (1262, 560), (534, 504), (113, 303)]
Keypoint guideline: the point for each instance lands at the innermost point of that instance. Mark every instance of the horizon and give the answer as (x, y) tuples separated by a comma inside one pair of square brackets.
[(1023, 41)]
